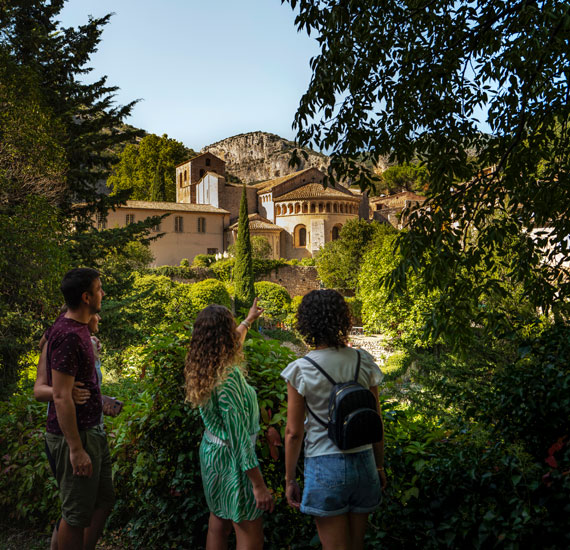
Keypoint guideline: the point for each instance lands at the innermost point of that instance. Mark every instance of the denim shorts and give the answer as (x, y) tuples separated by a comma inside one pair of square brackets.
[(340, 484)]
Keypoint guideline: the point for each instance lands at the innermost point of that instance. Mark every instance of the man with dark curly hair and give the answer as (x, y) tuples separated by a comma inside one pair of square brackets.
[(341, 487)]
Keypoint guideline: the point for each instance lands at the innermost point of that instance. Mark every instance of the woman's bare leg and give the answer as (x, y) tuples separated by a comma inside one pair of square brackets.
[(334, 532), (249, 534), (218, 532), (357, 525)]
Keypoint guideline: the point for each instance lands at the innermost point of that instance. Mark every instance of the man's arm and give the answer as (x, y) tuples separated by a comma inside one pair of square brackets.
[(65, 408)]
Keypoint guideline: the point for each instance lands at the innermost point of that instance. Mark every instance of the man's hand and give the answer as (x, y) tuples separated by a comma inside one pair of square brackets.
[(81, 463)]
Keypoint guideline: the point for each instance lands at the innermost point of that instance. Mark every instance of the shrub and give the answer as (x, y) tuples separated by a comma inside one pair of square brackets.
[(355, 307), (184, 262), (274, 299), (396, 365), (203, 260), (223, 269), (174, 271), (209, 291)]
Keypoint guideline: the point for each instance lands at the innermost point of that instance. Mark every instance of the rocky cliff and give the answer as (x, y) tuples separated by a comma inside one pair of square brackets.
[(260, 156)]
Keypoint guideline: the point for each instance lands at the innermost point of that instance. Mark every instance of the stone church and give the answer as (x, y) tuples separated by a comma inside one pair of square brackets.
[(295, 213)]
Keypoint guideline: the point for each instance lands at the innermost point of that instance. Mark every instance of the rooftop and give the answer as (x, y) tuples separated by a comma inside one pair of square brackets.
[(259, 223), (266, 186), (174, 207), (317, 191)]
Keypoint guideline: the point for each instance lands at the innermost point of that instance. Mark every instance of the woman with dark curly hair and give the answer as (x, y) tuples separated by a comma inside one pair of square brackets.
[(235, 491), (341, 488)]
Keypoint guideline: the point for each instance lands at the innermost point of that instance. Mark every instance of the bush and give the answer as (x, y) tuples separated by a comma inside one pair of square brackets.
[(203, 260), (174, 271), (223, 269), (274, 299), (209, 291), (355, 307), (148, 300)]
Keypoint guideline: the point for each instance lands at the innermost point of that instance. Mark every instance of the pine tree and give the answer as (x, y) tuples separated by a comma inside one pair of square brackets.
[(243, 269)]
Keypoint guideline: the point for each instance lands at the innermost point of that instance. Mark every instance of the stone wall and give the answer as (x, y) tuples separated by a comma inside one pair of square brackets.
[(297, 279)]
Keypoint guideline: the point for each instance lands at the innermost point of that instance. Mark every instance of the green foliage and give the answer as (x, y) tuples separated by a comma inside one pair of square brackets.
[(355, 307), (203, 260), (152, 161), (291, 318), (274, 299), (243, 268), (28, 491), (405, 177), (148, 301), (308, 261), (34, 258), (396, 364), (419, 84), (394, 315), (260, 248), (174, 271), (338, 262), (209, 291), (223, 268)]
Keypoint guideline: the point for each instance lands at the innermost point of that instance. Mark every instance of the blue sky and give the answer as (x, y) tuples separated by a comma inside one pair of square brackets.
[(204, 70)]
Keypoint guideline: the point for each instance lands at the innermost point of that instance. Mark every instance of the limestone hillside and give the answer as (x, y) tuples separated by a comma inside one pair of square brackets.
[(260, 156)]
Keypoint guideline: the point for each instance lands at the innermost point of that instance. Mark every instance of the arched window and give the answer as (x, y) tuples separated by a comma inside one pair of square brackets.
[(335, 232), (341, 207), (305, 208), (290, 209), (328, 207), (278, 210), (297, 208), (321, 207), (208, 162), (185, 175), (335, 208), (180, 179), (313, 208), (201, 172), (300, 236)]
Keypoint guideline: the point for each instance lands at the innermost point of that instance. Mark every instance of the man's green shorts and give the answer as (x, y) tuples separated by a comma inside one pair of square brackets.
[(81, 496)]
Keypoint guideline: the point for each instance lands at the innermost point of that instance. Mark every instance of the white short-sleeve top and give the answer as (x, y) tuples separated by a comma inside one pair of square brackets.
[(340, 365)]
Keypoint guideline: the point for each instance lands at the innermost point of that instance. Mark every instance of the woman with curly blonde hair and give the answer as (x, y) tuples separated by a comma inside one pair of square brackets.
[(233, 485)]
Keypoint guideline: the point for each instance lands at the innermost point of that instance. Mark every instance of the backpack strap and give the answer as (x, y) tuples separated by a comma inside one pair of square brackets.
[(357, 366), (315, 364)]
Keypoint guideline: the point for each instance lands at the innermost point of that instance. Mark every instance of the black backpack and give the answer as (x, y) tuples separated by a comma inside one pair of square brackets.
[(353, 415)]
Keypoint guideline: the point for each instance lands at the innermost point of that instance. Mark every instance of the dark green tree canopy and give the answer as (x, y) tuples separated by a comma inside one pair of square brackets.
[(243, 268), (147, 170), (416, 80)]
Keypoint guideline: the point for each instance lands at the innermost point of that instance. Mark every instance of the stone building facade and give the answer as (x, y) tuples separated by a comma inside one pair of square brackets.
[(188, 230), (296, 213)]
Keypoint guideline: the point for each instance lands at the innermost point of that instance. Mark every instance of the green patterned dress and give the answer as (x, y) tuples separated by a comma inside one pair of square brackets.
[(232, 416)]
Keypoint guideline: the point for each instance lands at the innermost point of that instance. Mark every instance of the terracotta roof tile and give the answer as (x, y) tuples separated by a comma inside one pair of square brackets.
[(258, 222), (317, 191), (174, 206), (266, 186)]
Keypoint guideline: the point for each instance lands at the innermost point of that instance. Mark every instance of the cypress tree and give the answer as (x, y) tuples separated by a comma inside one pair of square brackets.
[(158, 187), (243, 269)]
